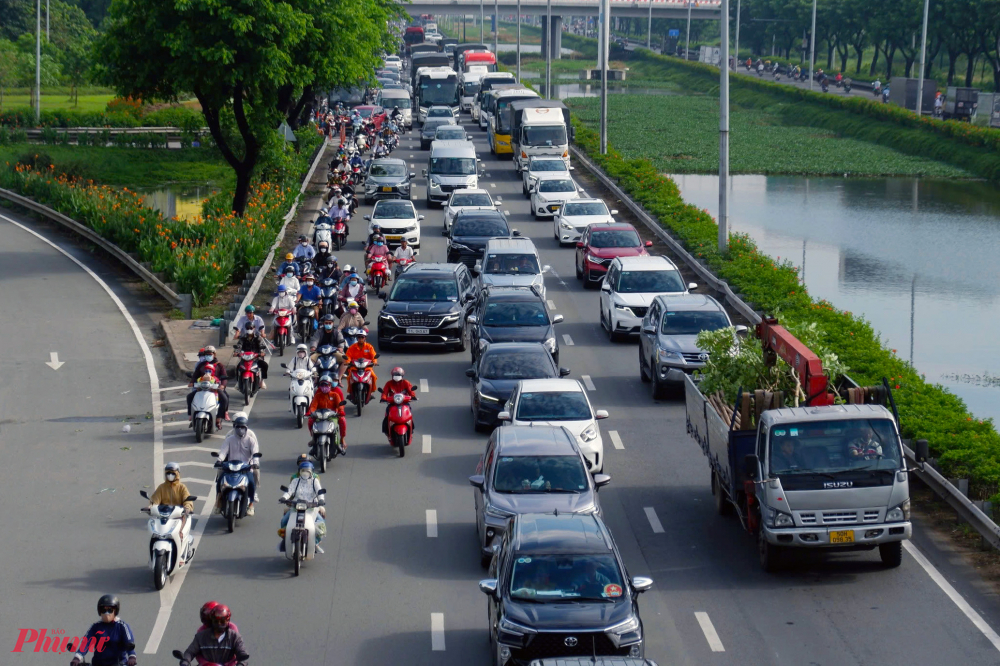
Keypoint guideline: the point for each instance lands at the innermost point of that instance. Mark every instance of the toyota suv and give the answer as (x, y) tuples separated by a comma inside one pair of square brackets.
[(630, 286), (557, 587), (427, 305)]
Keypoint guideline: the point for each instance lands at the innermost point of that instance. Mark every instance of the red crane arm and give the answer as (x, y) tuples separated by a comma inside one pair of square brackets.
[(778, 341)]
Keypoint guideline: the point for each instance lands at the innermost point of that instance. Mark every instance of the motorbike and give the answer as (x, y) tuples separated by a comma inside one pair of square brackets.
[(307, 318), (300, 538), (328, 286), (300, 393), (282, 330), (885, 95), (235, 488), (400, 422), (359, 375), (204, 408), (323, 232), (339, 234), (248, 373), (377, 272), (876, 91), (171, 545), (326, 361), (325, 437), (401, 264), (305, 265), (825, 87), (847, 87)]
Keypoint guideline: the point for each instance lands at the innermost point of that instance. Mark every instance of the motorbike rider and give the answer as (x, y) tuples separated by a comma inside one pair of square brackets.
[(404, 252), (209, 364), (379, 251), (248, 317), (301, 361), (111, 638), (356, 161), (322, 253), (342, 212), (330, 270), (240, 445), (291, 281), (304, 250), (288, 262), (398, 384), (355, 291), (254, 341), (220, 643), (396, 116), (351, 317), (309, 291), (284, 300), (326, 397), (876, 86), (376, 232), (173, 492), (303, 457), (206, 617), (327, 334), (361, 349), (304, 488)]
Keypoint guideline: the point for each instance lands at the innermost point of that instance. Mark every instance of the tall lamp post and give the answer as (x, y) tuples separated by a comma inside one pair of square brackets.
[(496, 26), (724, 130), (548, 49), (687, 48), (518, 75), (605, 28), (920, 85), (736, 49), (649, 28), (38, 65), (482, 23), (812, 48)]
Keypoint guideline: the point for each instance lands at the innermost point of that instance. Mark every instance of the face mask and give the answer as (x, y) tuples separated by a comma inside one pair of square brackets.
[(204, 359), (354, 311), (354, 283), (325, 389), (397, 378), (301, 354), (309, 284), (240, 431), (289, 275), (305, 475), (328, 327), (171, 477)]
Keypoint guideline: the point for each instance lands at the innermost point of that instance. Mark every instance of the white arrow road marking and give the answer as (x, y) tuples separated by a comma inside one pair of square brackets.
[(437, 632), (198, 463), (616, 439), (183, 387), (426, 444), (588, 382), (709, 630), (54, 361), (654, 522)]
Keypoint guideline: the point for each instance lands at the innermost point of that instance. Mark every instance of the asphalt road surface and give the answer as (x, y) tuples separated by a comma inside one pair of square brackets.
[(397, 583)]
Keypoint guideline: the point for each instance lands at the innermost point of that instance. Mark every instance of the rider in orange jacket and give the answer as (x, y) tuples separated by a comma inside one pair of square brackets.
[(361, 349), (329, 397)]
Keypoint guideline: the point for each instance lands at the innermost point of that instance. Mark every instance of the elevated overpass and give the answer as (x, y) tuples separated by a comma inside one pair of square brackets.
[(700, 9)]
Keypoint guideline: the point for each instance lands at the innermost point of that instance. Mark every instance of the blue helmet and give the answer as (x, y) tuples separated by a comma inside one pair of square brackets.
[(306, 466), (282, 288), (354, 276)]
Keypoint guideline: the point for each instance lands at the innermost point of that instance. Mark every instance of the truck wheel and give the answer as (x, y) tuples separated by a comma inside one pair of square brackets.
[(770, 555), (723, 506), (891, 554)]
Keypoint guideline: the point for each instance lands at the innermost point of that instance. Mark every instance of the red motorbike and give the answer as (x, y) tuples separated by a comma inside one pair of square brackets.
[(339, 233), (377, 271), (356, 175), (400, 422), (282, 330), (402, 263), (359, 378), (248, 373)]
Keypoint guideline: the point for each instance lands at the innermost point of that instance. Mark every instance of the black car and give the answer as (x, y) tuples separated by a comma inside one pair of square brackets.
[(512, 314), (428, 305), (499, 368), (558, 588), (469, 232), (387, 178)]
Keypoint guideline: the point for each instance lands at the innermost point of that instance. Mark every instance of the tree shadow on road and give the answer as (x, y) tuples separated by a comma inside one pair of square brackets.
[(463, 646), (452, 555)]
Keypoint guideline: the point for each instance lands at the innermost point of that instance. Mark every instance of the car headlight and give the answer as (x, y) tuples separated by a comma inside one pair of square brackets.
[(623, 308), (627, 627), (499, 514), (566, 225), (592, 259), (435, 184), (898, 514), (487, 398), (776, 518), (667, 355), (590, 434), (510, 627), (550, 344)]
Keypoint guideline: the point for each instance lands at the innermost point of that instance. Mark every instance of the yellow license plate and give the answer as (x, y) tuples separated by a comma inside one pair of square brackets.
[(393, 237), (387, 189), (843, 536)]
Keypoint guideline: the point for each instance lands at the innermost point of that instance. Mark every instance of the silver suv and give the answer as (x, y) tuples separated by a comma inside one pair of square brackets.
[(511, 262)]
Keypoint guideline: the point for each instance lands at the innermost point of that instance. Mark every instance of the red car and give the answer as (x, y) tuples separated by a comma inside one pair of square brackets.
[(376, 113), (600, 244)]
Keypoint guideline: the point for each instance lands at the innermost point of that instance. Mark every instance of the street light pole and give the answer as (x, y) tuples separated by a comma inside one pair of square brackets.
[(548, 49), (812, 47), (649, 28), (605, 28), (724, 130), (482, 23), (736, 49), (687, 49), (518, 75), (920, 80), (38, 66), (496, 26)]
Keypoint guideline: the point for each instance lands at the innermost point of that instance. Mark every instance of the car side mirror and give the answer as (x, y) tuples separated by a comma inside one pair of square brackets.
[(478, 267), (640, 584), (692, 285), (546, 268), (750, 466), (922, 451), (498, 200), (477, 481), (515, 233), (368, 217), (601, 480), (650, 330), (285, 488), (423, 172), (472, 319), (648, 244), (557, 319), (471, 372), (420, 217), (503, 416), (572, 168), (144, 494), (601, 414), (614, 211), (563, 372), (412, 175), (740, 328), (488, 587), (579, 244), (444, 232), (606, 287)]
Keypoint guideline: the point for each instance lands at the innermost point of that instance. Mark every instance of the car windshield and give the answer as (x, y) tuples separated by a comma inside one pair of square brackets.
[(827, 447), (449, 132), (614, 238), (431, 125), (553, 406), (401, 102), (388, 169), (439, 112), (512, 264), (431, 289), (453, 166), (543, 577), (557, 186), (479, 227), (516, 365), (470, 89), (692, 323), (647, 282), (539, 474), (547, 165), (516, 313), (589, 208), (394, 210), (365, 112), (476, 199), (545, 135)]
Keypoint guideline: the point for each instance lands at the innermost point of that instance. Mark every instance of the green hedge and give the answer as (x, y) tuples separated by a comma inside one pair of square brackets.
[(174, 116), (965, 447)]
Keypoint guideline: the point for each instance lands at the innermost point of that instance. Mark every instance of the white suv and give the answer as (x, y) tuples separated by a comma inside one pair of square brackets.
[(629, 288)]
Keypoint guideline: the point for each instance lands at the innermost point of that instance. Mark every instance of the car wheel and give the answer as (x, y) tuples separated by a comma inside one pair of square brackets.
[(479, 427), (612, 334), (770, 555), (461, 345), (644, 376), (588, 281), (656, 389)]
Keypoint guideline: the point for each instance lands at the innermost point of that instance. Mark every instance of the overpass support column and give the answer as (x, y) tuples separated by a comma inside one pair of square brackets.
[(545, 36), (556, 36)]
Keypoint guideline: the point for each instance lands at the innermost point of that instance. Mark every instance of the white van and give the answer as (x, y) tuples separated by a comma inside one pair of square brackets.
[(452, 165), (511, 262), (390, 97), (470, 88)]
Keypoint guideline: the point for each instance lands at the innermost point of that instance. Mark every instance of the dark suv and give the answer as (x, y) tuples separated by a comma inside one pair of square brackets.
[(469, 232), (558, 588), (512, 314), (428, 305)]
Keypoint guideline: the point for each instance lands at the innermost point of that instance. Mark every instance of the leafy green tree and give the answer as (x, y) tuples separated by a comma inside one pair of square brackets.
[(24, 65), (8, 66)]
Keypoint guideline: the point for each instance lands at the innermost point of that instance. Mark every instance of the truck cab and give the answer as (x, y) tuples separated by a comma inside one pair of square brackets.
[(539, 128)]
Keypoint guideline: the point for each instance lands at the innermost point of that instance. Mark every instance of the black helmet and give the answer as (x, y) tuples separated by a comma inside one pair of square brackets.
[(302, 238), (329, 317), (109, 600), (240, 422)]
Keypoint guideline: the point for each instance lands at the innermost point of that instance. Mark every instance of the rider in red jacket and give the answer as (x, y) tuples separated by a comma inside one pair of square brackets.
[(396, 385)]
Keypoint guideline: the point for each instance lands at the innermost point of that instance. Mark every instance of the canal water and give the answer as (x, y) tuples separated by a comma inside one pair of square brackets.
[(184, 201), (918, 258)]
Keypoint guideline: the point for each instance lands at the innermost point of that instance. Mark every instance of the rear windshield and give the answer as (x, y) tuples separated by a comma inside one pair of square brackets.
[(480, 227), (592, 208), (692, 323), (475, 199), (506, 364), (614, 238), (540, 474), (645, 282), (393, 210), (449, 132), (553, 406), (439, 113), (523, 313), (557, 186), (512, 264), (401, 102), (470, 89)]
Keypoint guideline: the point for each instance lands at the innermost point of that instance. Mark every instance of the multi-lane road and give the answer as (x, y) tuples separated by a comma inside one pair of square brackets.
[(397, 584)]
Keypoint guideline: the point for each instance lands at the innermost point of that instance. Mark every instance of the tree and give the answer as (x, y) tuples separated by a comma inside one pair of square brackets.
[(8, 66), (24, 65), (76, 65)]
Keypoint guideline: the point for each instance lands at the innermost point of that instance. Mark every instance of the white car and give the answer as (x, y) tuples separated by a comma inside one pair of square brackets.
[(468, 199), (629, 288), (558, 402), (550, 192), (575, 216), (398, 219), (393, 61), (539, 166)]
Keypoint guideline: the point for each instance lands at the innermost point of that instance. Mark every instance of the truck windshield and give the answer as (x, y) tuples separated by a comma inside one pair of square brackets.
[(470, 89), (545, 135), (828, 447)]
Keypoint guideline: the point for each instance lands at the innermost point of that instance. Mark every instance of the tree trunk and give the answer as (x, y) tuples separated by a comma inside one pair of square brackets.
[(243, 168), (970, 69), (890, 54), (909, 65), (830, 46), (860, 53), (294, 117), (952, 61), (871, 69), (843, 55), (242, 194)]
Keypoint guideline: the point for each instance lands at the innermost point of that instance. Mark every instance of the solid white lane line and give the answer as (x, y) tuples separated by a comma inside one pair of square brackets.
[(493, 185), (567, 340), (190, 448), (198, 463), (174, 388), (176, 411), (953, 594), (616, 440), (552, 306), (426, 444), (437, 632), (654, 522), (709, 630), (424, 387), (588, 382), (167, 402), (432, 523), (411, 157)]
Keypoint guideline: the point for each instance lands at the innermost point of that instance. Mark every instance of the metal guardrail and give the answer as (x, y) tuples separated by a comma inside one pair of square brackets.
[(720, 286), (182, 301), (963, 506)]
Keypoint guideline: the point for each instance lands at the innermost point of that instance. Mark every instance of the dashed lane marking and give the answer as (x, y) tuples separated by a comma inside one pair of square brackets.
[(174, 388), (437, 632), (432, 523), (174, 424), (198, 463), (552, 306), (178, 449), (654, 522), (588, 382), (171, 400), (708, 629), (424, 387), (175, 411), (568, 341), (616, 439), (426, 444)]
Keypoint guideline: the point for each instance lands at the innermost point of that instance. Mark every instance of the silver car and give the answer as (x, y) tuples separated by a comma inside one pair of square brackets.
[(530, 469)]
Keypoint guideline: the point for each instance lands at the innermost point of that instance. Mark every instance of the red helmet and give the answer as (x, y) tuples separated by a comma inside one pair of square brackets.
[(397, 371), (206, 612), (220, 617)]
